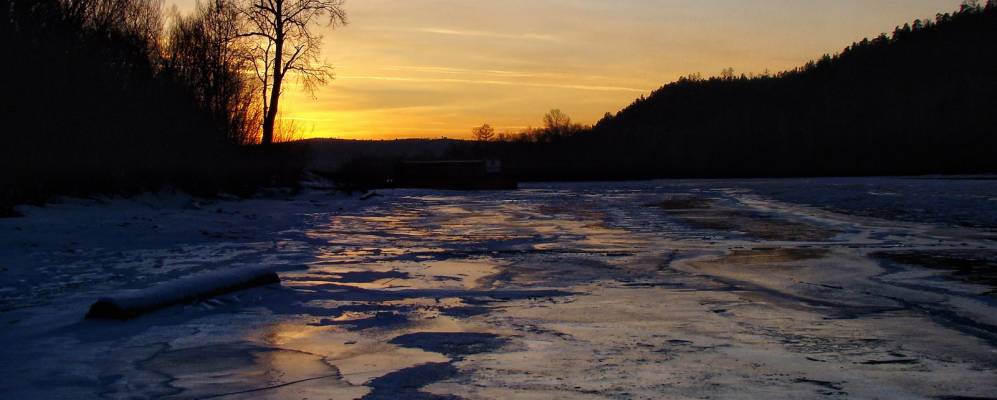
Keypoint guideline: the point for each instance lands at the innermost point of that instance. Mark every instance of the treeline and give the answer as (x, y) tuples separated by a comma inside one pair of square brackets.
[(921, 100), (107, 96)]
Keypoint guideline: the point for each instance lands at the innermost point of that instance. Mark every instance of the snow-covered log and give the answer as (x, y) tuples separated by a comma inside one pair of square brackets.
[(136, 302)]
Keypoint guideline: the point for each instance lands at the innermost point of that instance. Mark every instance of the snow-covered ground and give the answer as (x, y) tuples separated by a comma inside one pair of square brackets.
[(842, 288)]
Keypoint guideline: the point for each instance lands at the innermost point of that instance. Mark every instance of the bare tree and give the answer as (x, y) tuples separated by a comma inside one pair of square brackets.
[(285, 44), (556, 121), (483, 133), (204, 50), (727, 74)]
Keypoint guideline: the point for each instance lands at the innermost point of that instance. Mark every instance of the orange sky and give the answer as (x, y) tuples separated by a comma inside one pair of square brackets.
[(433, 68)]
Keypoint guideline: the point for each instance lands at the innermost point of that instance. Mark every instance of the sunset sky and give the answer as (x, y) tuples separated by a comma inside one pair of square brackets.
[(433, 68)]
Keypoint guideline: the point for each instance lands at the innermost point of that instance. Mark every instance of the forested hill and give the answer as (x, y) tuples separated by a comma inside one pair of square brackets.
[(922, 100)]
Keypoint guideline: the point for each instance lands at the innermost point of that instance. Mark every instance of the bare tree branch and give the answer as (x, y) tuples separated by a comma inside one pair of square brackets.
[(290, 46)]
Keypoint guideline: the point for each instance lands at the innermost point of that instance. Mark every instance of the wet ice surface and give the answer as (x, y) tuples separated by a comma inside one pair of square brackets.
[(664, 289)]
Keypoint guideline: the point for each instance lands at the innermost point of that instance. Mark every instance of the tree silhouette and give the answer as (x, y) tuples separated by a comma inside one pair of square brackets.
[(483, 133), (727, 73), (969, 5), (285, 44), (105, 96), (204, 51), (556, 121)]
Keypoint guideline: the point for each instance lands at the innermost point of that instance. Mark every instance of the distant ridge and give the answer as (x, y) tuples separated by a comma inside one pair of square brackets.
[(328, 155), (922, 100)]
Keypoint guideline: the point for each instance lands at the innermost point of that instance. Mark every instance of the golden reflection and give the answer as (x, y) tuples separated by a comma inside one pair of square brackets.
[(358, 356)]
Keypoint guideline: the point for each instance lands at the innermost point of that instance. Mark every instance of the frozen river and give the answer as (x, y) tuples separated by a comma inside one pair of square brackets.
[(822, 288)]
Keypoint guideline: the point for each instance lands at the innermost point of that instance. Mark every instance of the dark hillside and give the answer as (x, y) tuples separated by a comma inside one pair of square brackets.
[(923, 100)]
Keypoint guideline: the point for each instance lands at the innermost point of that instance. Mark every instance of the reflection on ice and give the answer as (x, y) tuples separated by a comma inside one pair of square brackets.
[(681, 289)]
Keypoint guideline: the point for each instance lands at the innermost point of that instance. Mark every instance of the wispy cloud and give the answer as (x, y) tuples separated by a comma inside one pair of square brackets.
[(487, 34), (496, 82), (543, 37), (460, 71)]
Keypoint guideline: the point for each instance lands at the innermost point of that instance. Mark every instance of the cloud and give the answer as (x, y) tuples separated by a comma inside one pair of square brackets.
[(486, 34), (459, 71), (496, 82)]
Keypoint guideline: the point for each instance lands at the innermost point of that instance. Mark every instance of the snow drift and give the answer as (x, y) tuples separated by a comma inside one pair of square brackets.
[(201, 286)]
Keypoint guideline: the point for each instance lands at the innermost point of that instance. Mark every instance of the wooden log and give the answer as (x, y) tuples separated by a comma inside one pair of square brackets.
[(197, 287)]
